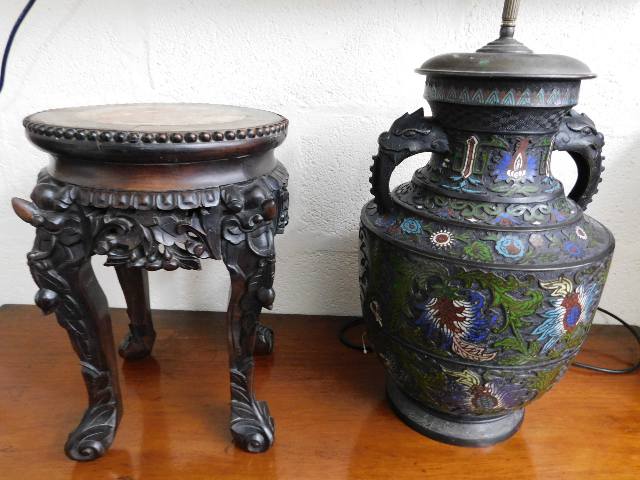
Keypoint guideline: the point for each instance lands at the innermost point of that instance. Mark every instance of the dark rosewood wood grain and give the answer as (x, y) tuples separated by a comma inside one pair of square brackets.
[(60, 264), (151, 187), (251, 289), (160, 177), (138, 343), (156, 133), (333, 419)]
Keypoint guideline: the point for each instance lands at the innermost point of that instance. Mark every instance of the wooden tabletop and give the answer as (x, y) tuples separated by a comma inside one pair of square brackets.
[(332, 419), (156, 117), (156, 133)]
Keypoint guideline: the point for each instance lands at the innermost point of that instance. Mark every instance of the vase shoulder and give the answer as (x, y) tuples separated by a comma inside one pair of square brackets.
[(494, 235), (490, 212)]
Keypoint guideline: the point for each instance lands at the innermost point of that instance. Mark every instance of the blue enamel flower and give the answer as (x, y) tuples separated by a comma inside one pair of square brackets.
[(411, 226), (446, 213), (510, 246), (472, 393), (385, 221), (506, 220), (461, 323), (573, 249), (570, 307), (512, 168)]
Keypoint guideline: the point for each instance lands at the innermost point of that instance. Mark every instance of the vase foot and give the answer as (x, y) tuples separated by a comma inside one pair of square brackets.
[(448, 429)]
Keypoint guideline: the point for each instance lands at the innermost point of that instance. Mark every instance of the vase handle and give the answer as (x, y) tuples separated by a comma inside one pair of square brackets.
[(409, 135), (579, 137)]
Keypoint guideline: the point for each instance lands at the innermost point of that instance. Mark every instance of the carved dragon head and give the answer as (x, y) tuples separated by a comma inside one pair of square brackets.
[(578, 134), (415, 133), (48, 209)]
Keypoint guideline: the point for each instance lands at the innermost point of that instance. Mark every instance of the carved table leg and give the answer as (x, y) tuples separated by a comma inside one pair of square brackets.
[(264, 340), (83, 311), (251, 281), (61, 267), (138, 343)]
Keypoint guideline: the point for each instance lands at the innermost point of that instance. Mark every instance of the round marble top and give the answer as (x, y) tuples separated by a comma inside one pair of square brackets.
[(157, 117), (156, 132)]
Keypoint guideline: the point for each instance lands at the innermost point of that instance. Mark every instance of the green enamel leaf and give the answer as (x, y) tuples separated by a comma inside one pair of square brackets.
[(492, 237), (543, 381), (508, 343), (479, 251), (534, 348), (515, 308), (518, 359), (463, 237), (500, 188), (496, 141)]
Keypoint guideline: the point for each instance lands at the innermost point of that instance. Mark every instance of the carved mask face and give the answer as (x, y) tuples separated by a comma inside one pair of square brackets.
[(415, 133), (579, 131)]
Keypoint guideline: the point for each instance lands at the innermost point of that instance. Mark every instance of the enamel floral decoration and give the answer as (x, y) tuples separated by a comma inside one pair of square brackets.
[(480, 277)]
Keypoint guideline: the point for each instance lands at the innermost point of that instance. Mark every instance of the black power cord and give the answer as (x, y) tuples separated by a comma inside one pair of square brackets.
[(12, 35), (614, 371), (365, 348)]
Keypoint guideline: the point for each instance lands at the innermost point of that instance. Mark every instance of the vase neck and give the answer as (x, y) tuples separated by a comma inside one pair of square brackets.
[(494, 167)]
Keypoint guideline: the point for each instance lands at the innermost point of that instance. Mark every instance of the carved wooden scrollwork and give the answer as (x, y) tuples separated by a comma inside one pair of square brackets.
[(238, 227), (159, 239), (60, 266), (249, 253)]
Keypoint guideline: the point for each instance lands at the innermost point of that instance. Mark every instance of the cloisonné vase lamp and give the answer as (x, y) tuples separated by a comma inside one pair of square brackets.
[(480, 277)]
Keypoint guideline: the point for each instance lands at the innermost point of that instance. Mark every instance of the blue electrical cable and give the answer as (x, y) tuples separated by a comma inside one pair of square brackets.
[(12, 35)]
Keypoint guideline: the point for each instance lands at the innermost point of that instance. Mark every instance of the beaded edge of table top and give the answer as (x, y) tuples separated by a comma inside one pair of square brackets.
[(129, 133)]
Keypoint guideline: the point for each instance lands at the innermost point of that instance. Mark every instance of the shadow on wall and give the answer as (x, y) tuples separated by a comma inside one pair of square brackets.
[(321, 267), (316, 274), (612, 206)]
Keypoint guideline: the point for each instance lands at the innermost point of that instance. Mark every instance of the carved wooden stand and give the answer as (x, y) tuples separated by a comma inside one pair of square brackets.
[(140, 230)]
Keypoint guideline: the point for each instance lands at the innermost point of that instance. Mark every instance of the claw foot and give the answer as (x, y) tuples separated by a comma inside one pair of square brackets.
[(264, 340), (94, 435), (137, 344), (252, 427)]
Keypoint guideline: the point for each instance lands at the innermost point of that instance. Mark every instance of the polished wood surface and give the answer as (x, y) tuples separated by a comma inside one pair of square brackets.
[(165, 177), (155, 132), (333, 421)]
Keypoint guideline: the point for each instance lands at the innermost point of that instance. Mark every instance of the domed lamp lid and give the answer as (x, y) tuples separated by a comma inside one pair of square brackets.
[(506, 57)]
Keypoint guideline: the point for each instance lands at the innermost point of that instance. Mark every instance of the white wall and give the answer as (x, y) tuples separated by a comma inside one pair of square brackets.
[(341, 71)]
